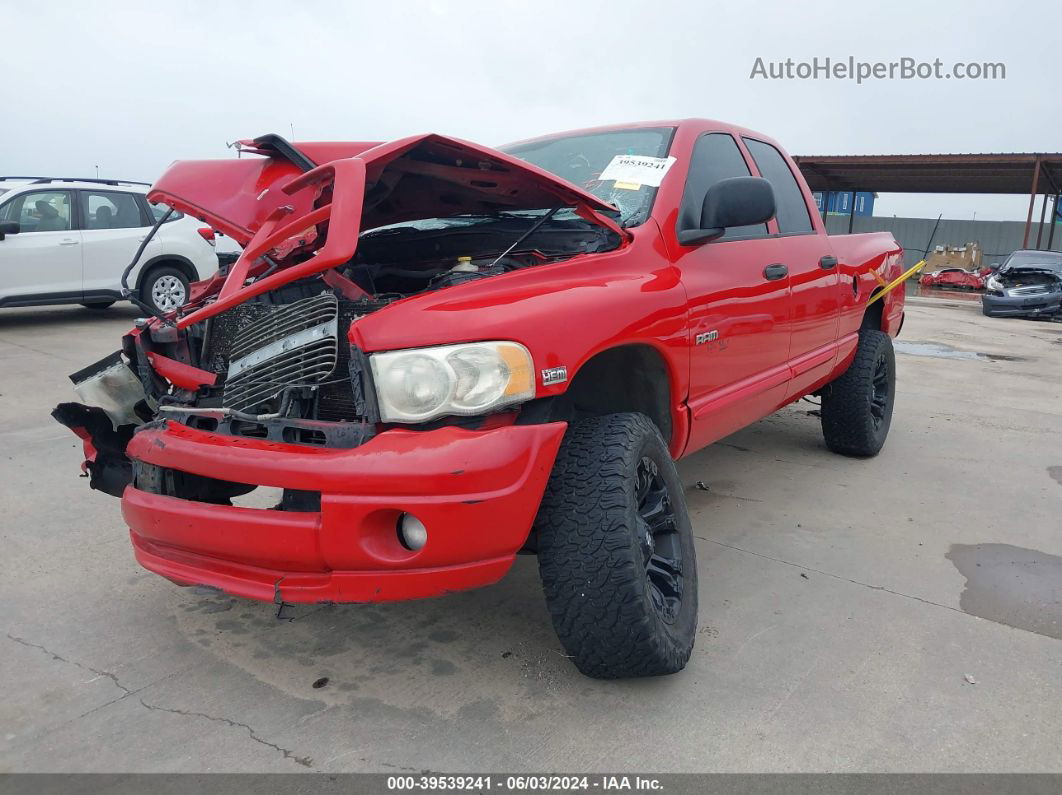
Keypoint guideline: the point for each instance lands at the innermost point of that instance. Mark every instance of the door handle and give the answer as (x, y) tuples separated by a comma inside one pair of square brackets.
[(775, 271), (68, 243), (828, 262)]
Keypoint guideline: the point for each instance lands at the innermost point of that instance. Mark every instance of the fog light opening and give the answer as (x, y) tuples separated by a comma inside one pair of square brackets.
[(412, 533)]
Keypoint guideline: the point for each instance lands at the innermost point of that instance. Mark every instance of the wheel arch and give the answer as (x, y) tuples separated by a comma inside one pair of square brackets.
[(628, 377), (873, 315), (183, 264)]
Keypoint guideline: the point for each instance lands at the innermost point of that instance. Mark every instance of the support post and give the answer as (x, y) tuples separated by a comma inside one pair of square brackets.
[(1032, 201), (1043, 213), (1054, 222)]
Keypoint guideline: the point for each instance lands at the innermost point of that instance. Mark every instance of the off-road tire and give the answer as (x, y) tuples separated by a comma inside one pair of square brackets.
[(99, 305), (157, 275), (857, 406), (592, 551)]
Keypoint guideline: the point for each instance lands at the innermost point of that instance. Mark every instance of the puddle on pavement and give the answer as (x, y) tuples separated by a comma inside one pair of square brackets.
[(1011, 585), (939, 350), (1056, 474)]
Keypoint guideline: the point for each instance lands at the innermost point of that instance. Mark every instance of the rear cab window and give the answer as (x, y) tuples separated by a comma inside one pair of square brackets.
[(792, 215)]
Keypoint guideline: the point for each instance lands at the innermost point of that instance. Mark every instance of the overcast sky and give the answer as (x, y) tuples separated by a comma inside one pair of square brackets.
[(133, 86)]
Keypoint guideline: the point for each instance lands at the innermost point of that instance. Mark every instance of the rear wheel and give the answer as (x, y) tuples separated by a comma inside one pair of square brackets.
[(164, 289), (857, 406), (615, 551)]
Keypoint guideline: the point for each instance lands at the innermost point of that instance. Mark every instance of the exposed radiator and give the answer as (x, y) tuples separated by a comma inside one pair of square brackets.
[(293, 345)]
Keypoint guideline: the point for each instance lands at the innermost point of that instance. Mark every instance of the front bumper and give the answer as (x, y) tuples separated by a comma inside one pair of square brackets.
[(477, 492), (1021, 306)]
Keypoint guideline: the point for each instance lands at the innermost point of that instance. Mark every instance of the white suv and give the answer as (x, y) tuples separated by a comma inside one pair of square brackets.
[(67, 241)]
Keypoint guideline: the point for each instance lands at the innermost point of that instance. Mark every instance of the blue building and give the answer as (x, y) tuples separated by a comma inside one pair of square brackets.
[(840, 202)]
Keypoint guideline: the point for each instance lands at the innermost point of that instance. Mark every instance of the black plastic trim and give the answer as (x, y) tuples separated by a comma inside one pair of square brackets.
[(56, 299), (285, 149)]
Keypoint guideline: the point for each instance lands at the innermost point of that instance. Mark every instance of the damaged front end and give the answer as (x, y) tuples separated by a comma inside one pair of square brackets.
[(330, 233), (1025, 290), (116, 405)]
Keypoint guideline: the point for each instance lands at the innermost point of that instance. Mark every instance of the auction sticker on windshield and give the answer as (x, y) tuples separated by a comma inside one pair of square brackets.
[(637, 169)]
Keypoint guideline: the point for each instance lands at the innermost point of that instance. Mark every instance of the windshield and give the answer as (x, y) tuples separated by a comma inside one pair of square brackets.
[(581, 159), (1034, 259), (477, 219)]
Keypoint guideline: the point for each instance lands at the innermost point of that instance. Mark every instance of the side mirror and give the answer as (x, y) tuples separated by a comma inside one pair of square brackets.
[(738, 201), (8, 228)]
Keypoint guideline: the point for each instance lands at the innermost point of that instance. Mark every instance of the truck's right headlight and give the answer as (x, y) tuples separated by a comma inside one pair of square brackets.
[(420, 384)]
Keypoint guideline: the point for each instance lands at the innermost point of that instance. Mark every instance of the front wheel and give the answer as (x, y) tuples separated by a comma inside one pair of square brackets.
[(857, 406), (615, 550), (165, 289)]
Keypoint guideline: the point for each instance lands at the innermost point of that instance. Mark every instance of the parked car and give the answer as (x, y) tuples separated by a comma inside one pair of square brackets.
[(446, 354), (957, 278), (67, 241), (1028, 284)]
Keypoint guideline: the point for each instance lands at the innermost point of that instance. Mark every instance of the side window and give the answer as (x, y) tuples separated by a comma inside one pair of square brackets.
[(39, 211), (158, 210), (715, 157), (110, 210), (792, 209)]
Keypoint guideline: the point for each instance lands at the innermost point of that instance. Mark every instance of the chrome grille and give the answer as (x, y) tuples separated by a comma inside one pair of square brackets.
[(294, 345)]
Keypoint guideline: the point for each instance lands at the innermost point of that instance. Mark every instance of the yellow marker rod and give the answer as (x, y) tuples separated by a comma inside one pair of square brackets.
[(898, 281)]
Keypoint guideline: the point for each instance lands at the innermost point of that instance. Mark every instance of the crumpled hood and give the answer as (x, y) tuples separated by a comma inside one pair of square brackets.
[(1024, 270), (422, 176), (1027, 275)]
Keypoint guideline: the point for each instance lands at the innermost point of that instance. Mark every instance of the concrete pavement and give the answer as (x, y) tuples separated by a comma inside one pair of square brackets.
[(841, 605)]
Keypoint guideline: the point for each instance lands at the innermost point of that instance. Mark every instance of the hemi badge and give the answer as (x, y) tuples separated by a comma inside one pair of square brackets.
[(554, 375)]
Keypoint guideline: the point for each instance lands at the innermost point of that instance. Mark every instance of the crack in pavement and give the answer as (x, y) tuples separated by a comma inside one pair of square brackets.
[(836, 576), (305, 761), (83, 667)]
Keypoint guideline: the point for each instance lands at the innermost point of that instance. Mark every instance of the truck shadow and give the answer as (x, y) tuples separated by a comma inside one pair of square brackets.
[(491, 650)]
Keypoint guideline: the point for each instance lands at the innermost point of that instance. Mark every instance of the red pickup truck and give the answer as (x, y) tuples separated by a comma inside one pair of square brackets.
[(446, 354)]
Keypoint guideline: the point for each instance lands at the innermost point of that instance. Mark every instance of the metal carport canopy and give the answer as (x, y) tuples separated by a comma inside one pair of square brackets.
[(1019, 173), (955, 173)]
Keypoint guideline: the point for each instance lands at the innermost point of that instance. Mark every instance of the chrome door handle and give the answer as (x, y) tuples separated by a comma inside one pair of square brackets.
[(68, 243)]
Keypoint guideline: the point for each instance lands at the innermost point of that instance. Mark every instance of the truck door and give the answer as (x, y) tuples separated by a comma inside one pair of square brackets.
[(738, 293), (813, 272)]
